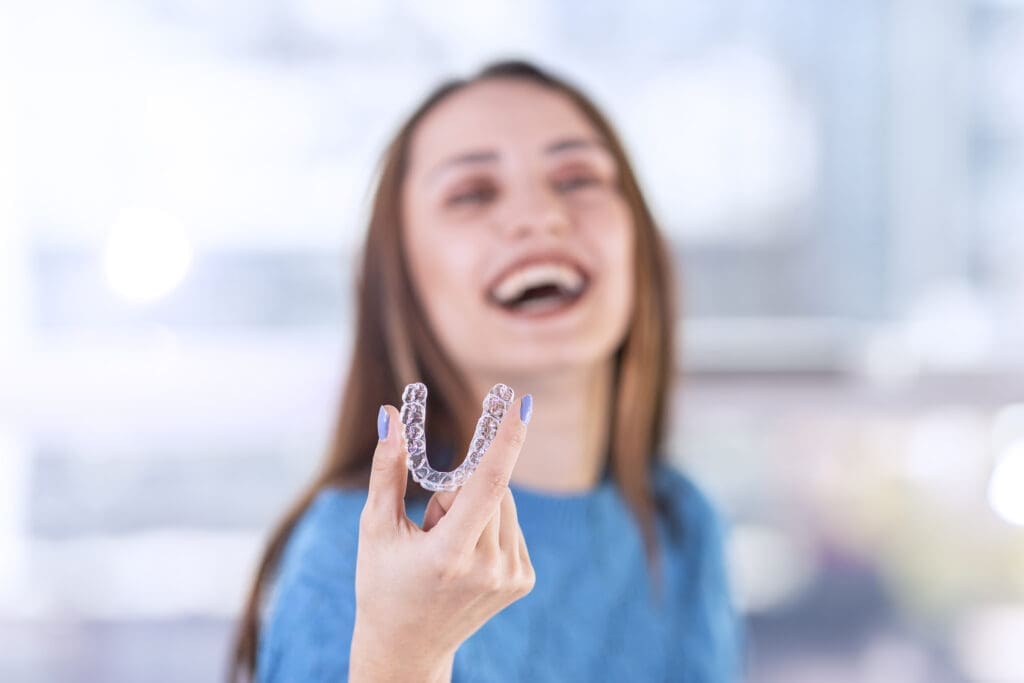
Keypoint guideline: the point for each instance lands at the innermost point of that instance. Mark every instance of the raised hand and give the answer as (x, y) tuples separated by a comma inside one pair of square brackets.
[(421, 592)]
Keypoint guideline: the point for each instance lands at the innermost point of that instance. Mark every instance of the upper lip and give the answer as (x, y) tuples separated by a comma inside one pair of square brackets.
[(538, 256)]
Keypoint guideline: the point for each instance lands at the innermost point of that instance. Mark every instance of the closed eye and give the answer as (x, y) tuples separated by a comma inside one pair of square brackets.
[(472, 196), (482, 194), (577, 182)]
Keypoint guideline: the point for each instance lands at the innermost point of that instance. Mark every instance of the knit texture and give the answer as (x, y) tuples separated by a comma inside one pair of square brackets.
[(591, 616)]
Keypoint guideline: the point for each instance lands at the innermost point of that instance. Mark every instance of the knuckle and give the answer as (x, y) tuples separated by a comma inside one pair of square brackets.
[(489, 578), (516, 437), (529, 580), (498, 483), (494, 580)]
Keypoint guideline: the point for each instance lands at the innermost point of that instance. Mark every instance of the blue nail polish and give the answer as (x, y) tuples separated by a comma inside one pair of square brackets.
[(382, 423), (526, 408)]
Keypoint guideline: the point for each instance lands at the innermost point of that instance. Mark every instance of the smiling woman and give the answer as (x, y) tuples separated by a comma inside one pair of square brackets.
[(509, 243), (531, 192)]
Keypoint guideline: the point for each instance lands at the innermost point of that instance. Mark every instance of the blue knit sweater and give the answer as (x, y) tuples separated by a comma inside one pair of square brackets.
[(591, 615)]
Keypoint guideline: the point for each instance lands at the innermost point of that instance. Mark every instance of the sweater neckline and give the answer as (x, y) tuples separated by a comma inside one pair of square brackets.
[(569, 498)]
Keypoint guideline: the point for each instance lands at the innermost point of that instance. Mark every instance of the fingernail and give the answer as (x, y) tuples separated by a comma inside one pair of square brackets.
[(526, 408), (382, 423)]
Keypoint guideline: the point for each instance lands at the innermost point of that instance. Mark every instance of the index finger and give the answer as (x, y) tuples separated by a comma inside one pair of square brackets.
[(481, 496)]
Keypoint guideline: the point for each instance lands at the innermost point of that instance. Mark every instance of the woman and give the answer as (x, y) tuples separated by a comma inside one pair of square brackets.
[(508, 242)]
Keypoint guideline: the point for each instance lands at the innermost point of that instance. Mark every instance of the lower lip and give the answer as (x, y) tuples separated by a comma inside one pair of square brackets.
[(547, 312)]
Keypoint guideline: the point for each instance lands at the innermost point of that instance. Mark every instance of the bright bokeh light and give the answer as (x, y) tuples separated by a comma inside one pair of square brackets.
[(147, 254), (1006, 487)]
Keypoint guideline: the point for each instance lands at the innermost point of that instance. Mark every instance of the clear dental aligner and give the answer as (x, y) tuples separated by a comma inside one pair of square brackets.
[(414, 412)]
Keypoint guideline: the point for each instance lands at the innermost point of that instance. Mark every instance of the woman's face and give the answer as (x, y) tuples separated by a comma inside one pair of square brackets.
[(518, 239)]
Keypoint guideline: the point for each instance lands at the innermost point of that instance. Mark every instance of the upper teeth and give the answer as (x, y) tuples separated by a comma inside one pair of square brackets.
[(513, 285)]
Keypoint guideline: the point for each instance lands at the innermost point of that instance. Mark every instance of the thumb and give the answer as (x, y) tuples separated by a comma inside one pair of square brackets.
[(388, 474)]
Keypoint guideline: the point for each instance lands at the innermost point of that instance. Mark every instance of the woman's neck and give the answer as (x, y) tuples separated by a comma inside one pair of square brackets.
[(565, 449)]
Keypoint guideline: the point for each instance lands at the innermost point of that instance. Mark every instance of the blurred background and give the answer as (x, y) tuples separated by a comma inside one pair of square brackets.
[(183, 188)]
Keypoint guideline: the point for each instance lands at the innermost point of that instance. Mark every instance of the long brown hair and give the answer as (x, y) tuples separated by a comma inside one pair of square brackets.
[(394, 345)]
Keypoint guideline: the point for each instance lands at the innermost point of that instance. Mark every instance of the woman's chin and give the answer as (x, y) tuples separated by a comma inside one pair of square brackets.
[(543, 357)]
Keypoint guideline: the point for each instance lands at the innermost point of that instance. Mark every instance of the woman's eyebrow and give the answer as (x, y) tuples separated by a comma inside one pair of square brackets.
[(465, 158), (484, 156), (575, 143)]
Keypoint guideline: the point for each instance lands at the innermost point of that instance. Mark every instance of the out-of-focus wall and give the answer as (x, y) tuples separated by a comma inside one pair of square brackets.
[(183, 190)]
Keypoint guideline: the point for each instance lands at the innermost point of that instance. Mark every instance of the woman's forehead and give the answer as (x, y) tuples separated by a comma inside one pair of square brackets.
[(495, 116)]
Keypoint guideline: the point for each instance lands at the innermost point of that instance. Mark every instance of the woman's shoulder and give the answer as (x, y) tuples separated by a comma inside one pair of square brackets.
[(669, 480), (690, 509), (714, 632)]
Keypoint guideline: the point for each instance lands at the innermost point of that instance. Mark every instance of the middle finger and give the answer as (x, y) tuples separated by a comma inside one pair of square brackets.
[(490, 537), (508, 534)]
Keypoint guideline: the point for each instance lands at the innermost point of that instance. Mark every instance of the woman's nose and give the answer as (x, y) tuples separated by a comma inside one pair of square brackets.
[(535, 209)]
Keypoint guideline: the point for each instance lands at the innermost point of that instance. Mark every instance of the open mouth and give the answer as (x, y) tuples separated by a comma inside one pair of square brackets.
[(539, 289)]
